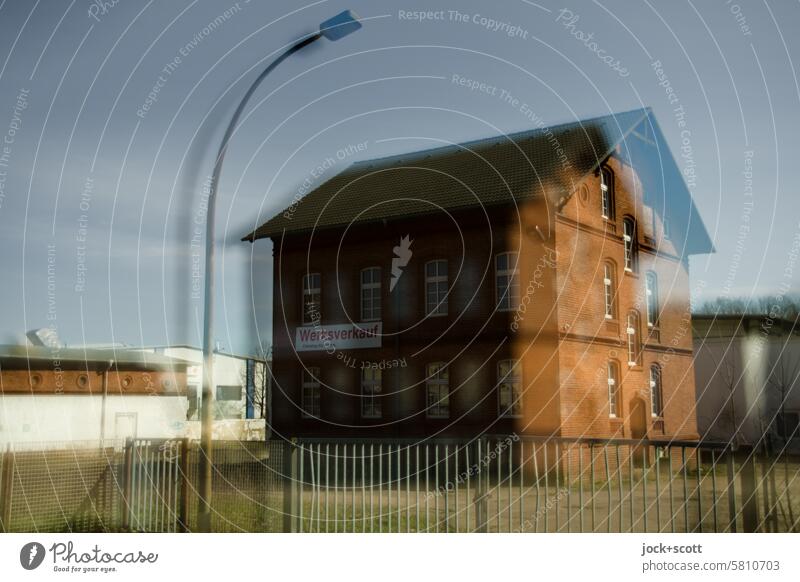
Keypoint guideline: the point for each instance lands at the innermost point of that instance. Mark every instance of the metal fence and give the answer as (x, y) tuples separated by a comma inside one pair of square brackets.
[(488, 484)]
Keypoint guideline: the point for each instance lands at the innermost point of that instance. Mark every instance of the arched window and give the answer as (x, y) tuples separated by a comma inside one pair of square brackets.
[(607, 193), (509, 394), (371, 294), (437, 387), (614, 400), (634, 341), (506, 271), (610, 290), (651, 292), (629, 241), (656, 394)]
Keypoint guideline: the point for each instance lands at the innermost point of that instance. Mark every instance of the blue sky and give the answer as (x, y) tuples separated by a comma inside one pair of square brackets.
[(114, 114)]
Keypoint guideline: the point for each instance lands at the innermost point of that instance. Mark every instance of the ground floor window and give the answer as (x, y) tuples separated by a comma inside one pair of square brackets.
[(310, 396), (438, 390), (371, 393), (509, 382)]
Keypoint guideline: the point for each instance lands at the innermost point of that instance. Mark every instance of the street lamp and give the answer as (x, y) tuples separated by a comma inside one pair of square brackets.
[(335, 28)]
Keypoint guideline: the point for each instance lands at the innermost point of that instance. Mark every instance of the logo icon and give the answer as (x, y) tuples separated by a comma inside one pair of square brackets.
[(31, 555), (402, 254)]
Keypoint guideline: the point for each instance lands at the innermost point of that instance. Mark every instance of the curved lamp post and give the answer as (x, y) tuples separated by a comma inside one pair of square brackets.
[(335, 28)]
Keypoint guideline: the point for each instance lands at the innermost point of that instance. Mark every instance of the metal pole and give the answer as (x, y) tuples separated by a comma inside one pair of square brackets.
[(206, 451)]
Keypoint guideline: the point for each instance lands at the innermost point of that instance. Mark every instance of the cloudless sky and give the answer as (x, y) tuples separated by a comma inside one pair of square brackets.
[(96, 190)]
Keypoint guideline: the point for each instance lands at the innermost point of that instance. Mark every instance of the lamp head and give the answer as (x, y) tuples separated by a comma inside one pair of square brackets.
[(340, 25)]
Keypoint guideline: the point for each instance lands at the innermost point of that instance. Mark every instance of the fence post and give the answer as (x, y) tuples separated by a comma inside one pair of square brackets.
[(6, 490), (481, 497), (747, 478), (729, 456), (290, 487), (127, 481), (183, 467)]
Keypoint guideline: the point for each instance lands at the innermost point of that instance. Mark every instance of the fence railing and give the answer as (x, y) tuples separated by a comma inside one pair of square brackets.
[(487, 484)]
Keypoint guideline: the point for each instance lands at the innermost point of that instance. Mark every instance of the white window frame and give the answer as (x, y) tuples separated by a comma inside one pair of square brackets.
[(634, 342), (371, 387), (656, 392), (312, 295), (609, 299), (507, 297), (629, 243), (371, 294), (437, 307), (606, 194), (651, 297), (310, 393), (612, 377), (511, 382), (437, 391)]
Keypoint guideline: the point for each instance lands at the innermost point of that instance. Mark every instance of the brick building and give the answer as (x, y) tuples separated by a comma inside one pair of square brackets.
[(534, 283)]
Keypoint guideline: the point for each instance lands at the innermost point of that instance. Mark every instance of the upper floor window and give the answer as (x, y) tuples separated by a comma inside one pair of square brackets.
[(436, 287), (607, 193), (371, 294), (634, 342), (509, 383), (312, 295), (629, 240), (371, 393), (656, 396), (437, 387), (614, 400), (609, 290), (651, 292), (506, 269), (309, 398)]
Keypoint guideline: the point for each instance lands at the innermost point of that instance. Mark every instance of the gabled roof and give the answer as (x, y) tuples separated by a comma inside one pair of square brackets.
[(499, 170)]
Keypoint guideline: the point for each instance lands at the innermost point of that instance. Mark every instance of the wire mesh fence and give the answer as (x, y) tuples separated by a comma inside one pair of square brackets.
[(489, 484)]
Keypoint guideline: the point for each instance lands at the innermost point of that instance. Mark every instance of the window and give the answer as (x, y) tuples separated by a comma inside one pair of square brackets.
[(436, 288), (651, 292), (656, 398), (370, 393), (629, 240), (438, 390), (607, 193), (507, 281), (634, 347), (371, 294), (229, 393), (613, 391), (310, 396), (312, 293), (609, 291), (509, 382), (193, 398)]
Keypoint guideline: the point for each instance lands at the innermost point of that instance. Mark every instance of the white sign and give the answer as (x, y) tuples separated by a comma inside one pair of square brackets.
[(347, 336)]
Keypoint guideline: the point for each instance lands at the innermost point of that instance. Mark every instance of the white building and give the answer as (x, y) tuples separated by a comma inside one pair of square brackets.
[(747, 375)]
